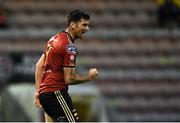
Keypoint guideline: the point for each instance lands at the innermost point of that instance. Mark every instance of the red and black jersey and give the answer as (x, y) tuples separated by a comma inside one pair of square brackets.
[(59, 52)]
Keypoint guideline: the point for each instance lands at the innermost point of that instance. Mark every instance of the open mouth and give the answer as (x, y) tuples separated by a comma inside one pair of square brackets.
[(83, 34)]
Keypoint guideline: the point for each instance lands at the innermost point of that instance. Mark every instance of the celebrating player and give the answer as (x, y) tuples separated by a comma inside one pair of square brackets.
[(55, 70)]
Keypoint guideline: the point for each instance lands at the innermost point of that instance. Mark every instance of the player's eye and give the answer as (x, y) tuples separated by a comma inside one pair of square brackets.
[(85, 25)]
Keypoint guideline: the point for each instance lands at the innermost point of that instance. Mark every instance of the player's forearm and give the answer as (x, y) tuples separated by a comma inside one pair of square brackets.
[(39, 72), (37, 79), (71, 78), (38, 76), (78, 79)]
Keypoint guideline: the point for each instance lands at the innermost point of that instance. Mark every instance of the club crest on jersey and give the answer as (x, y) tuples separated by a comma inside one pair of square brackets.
[(71, 49)]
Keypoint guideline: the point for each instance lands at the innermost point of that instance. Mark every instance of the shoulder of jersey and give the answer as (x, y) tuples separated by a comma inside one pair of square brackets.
[(61, 36)]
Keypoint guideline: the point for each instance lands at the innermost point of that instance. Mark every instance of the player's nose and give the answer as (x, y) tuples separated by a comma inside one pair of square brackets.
[(87, 28)]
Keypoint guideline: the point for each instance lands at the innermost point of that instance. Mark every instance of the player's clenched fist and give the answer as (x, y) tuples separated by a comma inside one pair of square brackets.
[(93, 73)]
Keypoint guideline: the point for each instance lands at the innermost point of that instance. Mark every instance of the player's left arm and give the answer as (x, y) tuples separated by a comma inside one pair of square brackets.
[(71, 78), (69, 61)]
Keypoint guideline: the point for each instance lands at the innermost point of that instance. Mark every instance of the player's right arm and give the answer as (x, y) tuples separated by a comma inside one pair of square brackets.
[(39, 71), (38, 77)]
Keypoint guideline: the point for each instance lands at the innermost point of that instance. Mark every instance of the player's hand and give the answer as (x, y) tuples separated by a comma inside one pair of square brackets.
[(93, 73), (36, 101)]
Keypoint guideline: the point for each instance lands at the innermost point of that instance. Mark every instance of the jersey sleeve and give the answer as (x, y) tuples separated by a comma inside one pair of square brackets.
[(70, 52), (45, 48)]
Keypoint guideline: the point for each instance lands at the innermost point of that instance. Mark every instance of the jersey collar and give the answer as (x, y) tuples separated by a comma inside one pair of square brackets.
[(69, 36)]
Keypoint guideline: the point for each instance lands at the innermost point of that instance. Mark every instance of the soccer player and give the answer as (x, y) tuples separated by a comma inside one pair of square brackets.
[(55, 70)]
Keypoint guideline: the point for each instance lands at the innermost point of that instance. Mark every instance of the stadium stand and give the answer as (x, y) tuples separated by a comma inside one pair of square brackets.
[(139, 62)]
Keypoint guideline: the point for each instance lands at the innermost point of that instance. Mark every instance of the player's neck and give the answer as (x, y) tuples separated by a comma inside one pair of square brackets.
[(70, 32)]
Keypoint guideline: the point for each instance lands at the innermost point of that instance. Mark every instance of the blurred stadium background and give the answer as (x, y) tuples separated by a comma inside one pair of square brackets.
[(138, 57)]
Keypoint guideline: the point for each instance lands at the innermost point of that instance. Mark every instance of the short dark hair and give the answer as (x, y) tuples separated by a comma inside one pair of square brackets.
[(77, 15)]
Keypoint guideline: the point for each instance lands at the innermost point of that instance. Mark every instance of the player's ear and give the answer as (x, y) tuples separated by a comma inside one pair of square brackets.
[(73, 25)]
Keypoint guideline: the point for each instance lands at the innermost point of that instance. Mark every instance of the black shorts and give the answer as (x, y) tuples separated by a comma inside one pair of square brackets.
[(58, 105)]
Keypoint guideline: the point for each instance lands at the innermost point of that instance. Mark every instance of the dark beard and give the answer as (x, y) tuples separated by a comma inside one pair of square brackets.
[(77, 37)]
